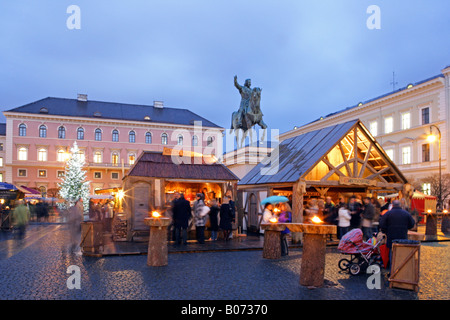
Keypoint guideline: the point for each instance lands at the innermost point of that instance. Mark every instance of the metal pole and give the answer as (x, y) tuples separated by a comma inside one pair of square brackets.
[(440, 167)]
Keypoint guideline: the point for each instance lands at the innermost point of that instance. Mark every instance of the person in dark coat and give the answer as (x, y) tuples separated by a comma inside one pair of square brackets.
[(355, 211), (395, 223), (181, 215), (213, 219), (367, 216), (226, 217)]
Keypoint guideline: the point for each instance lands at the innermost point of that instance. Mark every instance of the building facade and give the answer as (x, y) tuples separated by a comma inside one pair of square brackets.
[(401, 122), (110, 136)]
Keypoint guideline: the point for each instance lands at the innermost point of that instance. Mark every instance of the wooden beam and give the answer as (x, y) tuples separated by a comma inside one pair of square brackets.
[(355, 163), (349, 171), (378, 173), (366, 159)]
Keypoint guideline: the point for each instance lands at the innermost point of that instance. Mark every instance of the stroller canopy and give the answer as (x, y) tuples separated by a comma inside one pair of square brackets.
[(352, 243)]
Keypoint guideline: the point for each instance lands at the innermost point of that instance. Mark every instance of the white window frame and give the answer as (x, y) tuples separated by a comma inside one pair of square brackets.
[(403, 155), (44, 170), (392, 124), (373, 125), (429, 115), (19, 157), (18, 173), (387, 151), (405, 124), (96, 159), (42, 154)]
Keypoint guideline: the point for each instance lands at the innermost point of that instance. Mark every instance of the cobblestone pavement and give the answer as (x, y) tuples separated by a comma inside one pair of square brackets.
[(36, 268)]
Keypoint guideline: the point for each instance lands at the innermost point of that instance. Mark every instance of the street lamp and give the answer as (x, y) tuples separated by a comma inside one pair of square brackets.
[(431, 138)]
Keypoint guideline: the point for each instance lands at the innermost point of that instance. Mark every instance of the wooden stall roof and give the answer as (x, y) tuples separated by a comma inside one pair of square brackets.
[(298, 155), (159, 165)]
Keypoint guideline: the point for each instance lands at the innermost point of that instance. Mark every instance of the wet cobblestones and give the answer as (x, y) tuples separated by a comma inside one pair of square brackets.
[(37, 270)]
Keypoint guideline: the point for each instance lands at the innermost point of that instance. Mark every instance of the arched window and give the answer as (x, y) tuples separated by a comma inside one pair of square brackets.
[(132, 137), (42, 154), (115, 159), (22, 130), (81, 156), (115, 135), (61, 155), (98, 157), (98, 134), (80, 133), (131, 159), (194, 141), (164, 138), (148, 138), (61, 132), (42, 131), (209, 141), (23, 153), (180, 140)]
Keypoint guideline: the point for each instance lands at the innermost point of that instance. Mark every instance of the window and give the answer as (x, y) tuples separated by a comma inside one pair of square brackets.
[(60, 173), (114, 175), (1, 177), (43, 191), (148, 138), (42, 173), (115, 159), (42, 154), (194, 141), (373, 127), (426, 188), (209, 141), (425, 152), (97, 175), (22, 130), (131, 159), (425, 116), (132, 137), (1, 162), (22, 173), (388, 125), (80, 134), (390, 153), (180, 140), (406, 155), (42, 131), (23, 153), (98, 157), (61, 155), (115, 135), (98, 134), (80, 155), (61, 132), (164, 138), (406, 120), (1, 146)]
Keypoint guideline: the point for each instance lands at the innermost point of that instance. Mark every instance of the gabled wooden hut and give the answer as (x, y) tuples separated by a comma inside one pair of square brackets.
[(156, 176), (339, 160)]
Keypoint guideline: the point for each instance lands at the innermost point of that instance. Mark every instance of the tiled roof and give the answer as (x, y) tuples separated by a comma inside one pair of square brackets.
[(112, 110), (157, 165)]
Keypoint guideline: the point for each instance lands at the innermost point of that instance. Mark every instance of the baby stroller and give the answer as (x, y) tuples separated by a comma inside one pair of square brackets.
[(362, 254)]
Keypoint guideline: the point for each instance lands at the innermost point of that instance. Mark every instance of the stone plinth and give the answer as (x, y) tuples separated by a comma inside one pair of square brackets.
[(157, 242), (272, 240)]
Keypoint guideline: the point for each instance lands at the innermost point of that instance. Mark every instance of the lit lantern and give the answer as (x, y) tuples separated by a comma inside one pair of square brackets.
[(316, 219)]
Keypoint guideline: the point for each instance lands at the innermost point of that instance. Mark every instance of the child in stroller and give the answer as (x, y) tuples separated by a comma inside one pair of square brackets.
[(362, 254)]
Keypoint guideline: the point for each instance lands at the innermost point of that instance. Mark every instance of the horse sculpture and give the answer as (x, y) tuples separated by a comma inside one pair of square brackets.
[(248, 118)]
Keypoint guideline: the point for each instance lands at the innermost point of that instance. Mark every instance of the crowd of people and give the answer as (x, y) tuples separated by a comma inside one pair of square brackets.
[(203, 214), (102, 210), (364, 213)]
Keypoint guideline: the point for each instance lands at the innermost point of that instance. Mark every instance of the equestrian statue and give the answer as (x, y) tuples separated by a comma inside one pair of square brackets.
[(249, 113)]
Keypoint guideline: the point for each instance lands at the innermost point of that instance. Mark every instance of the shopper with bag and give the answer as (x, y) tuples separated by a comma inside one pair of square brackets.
[(201, 210)]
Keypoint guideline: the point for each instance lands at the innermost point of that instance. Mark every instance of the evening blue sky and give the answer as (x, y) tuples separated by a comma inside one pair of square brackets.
[(310, 58)]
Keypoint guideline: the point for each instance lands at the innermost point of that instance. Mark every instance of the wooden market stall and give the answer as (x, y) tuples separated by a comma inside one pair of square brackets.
[(340, 160), (155, 177)]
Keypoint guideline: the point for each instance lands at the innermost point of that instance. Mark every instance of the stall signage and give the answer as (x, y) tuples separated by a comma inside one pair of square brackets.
[(357, 181)]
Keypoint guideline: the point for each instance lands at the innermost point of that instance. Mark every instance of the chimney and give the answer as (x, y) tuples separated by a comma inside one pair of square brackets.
[(82, 97), (158, 104)]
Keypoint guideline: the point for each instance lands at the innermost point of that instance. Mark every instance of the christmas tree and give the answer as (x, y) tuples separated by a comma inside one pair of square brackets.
[(74, 185)]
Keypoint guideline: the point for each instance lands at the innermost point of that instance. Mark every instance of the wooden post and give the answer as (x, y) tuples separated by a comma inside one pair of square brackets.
[(157, 255), (313, 260), (298, 190), (272, 244)]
